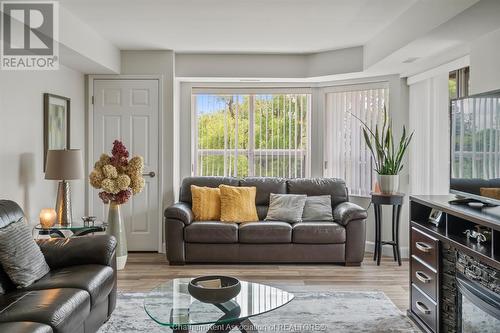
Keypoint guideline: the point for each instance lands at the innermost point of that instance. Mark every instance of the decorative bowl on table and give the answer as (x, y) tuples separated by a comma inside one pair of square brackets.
[(214, 289)]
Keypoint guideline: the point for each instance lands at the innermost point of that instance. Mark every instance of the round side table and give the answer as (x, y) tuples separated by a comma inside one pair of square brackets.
[(396, 201)]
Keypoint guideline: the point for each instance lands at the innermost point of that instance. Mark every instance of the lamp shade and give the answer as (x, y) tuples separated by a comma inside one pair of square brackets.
[(64, 164)]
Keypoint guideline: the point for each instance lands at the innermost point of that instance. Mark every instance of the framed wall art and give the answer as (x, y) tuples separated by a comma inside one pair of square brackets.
[(56, 123)]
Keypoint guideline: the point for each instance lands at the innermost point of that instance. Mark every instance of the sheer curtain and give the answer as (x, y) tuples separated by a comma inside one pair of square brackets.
[(429, 152)]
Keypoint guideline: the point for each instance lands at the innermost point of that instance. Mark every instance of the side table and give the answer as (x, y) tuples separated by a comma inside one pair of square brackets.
[(75, 229), (396, 201)]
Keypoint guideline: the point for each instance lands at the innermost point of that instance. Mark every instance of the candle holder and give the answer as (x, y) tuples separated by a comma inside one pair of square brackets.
[(47, 217)]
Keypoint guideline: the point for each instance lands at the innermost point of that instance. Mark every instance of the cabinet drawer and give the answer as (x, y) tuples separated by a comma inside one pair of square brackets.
[(423, 307), (424, 278), (424, 247)]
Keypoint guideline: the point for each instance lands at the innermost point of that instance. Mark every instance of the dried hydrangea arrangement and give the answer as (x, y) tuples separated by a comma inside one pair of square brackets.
[(118, 177)]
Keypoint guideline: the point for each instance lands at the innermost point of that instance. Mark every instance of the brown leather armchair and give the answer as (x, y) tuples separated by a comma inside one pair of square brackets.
[(339, 241), (77, 295)]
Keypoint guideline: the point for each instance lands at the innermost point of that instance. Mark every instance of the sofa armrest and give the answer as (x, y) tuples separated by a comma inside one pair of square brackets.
[(348, 211), (180, 211), (64, 252)]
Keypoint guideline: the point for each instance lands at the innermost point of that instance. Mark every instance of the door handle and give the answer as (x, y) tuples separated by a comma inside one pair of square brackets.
[(422, 308), (423, 247), (422, 277), (151, 174)]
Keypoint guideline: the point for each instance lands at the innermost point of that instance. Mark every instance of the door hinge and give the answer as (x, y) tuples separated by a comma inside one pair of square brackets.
[(92, 100), (326, 165)]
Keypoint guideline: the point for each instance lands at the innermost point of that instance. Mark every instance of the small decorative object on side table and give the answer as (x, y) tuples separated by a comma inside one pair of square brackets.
[(47, 217), (89, 220), (396, 201)]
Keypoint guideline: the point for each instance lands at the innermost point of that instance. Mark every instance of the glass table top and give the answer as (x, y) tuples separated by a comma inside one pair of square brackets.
[(170, 304), (72, 227)]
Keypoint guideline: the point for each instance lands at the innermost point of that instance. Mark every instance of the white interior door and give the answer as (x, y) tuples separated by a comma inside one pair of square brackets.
[(128, 110)]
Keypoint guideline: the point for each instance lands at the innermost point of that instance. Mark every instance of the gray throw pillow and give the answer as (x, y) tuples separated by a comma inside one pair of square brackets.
[(318, 208), (20, 256), (286, 207)]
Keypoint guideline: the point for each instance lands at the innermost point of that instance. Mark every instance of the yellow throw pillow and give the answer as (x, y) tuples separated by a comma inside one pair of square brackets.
[(206, 203), (238, 204)]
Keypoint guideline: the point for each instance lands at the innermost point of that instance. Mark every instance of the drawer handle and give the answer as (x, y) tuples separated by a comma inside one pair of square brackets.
[(423, 247), (422, 308), (422, 277)]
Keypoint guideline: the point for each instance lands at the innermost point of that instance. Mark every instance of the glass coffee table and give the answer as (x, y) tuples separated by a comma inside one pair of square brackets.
[(170, 304)]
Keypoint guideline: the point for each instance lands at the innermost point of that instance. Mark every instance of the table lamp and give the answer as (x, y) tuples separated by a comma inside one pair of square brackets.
[(64, 165)]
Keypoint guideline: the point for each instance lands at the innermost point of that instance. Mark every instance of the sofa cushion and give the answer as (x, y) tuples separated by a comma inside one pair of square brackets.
[(64, 310), (271, 232), (25, 327), (318, 233), (185, 192), (20, 256), (211, 232), (97, 280), (5, 282), (265, 186), (319, 186), (262, 211)]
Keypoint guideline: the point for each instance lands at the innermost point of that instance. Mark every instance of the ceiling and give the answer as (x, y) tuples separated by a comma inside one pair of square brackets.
[(238, 26)]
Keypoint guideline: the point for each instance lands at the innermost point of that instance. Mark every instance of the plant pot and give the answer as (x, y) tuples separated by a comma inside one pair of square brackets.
[(388, 183), (116, 228)]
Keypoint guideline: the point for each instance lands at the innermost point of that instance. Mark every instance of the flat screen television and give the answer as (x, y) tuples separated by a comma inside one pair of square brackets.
[(475, 147)]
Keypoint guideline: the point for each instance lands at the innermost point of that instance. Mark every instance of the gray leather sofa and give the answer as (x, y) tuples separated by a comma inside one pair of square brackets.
[(341, 241), (77, 295)]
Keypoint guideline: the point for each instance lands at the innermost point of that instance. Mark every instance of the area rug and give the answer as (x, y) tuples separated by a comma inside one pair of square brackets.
[(310, 311)]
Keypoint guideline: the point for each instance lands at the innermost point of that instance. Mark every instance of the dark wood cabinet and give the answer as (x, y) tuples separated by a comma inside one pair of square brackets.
[(424, 247), (424, 307), (424, 277), (428, 244)]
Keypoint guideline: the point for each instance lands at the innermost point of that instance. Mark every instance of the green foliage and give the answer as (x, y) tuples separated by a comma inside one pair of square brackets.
[(388, 158), (280, 123)]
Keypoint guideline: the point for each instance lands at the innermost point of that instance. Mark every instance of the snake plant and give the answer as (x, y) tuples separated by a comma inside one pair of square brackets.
[(388, 158)]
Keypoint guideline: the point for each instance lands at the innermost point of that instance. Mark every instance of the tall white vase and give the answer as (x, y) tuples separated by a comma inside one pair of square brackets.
[(388, 183), (117, 229)]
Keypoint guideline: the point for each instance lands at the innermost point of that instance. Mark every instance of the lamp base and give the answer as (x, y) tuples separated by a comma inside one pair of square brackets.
[(63, 204)]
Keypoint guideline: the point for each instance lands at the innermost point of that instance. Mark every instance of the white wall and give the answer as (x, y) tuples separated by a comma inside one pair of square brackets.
[(349, 60), (21, 146), (84, 48), (485, 64), (158, 63)]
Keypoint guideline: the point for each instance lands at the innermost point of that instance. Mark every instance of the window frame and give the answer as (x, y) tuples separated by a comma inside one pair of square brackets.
[(251, 91)]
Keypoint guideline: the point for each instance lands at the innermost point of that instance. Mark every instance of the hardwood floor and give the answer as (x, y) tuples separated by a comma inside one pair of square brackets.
[(146, 270)]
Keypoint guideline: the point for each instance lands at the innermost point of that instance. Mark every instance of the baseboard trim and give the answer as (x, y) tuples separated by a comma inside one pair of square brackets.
[(387, 250)]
